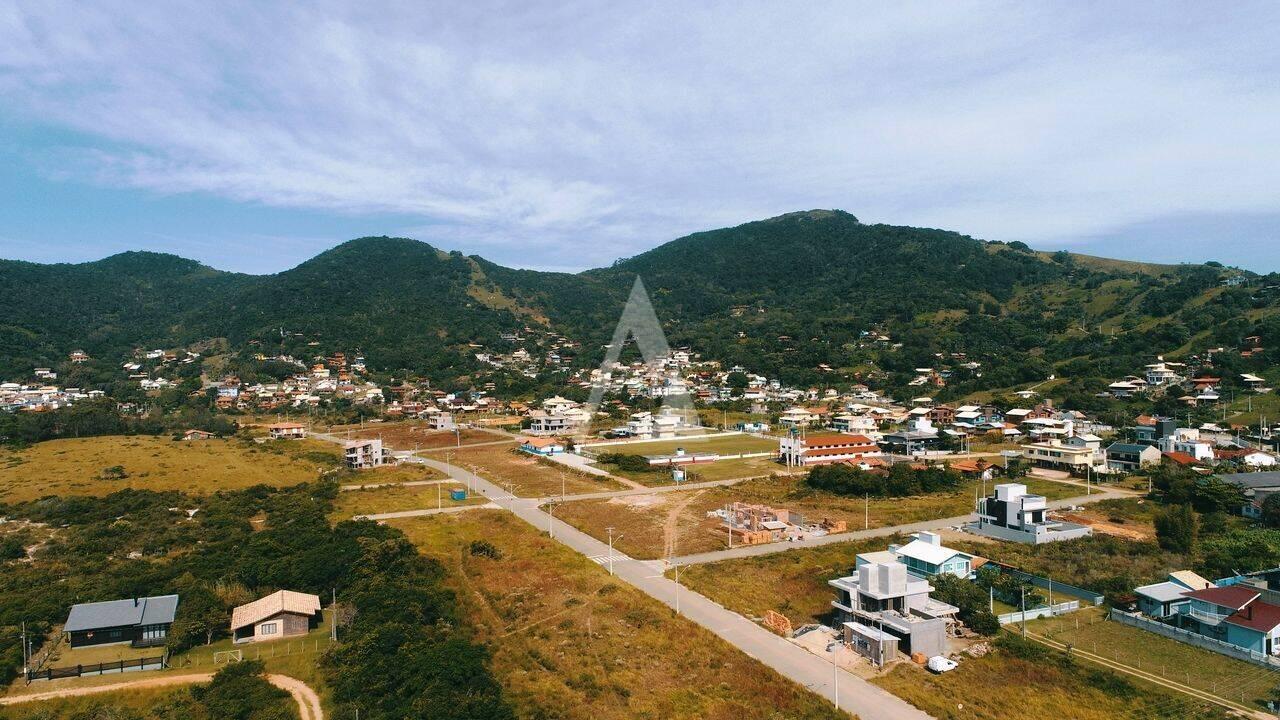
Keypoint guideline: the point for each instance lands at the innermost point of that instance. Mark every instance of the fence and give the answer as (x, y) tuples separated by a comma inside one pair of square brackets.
[(1088, 596), (1190, 638), (137, 664), (1039, 612)]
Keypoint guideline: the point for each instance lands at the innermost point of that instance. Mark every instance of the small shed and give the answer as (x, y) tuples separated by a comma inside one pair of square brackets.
[(281, 614), (877, 645)]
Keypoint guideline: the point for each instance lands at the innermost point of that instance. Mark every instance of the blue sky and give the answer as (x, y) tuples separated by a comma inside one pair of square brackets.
[(564, 135)]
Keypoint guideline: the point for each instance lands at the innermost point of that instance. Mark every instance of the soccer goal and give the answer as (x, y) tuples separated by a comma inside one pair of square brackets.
[(227, 656)]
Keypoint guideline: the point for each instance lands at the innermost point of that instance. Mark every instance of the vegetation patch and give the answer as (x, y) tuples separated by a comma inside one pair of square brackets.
[(570, 642)]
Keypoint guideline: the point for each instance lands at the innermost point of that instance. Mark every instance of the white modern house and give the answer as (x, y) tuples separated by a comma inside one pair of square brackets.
[(925, 556), (1013, 514), (364, 454), (886, 596)]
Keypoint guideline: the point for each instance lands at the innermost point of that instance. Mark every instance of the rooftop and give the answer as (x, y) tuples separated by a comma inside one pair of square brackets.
[(274, 604), (1233, 597), (120, 613)]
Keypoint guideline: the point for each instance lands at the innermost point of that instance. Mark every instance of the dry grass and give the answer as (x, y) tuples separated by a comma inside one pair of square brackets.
[(735, 469), (644, 519), (413, 434), (397, 498), (76, 466), (570, 642), (393, 474), (99, 706), (793, 583), (532, 477), (723, 444), (1001, 686)]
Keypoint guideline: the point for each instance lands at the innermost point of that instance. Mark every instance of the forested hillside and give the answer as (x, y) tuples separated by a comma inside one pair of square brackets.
[(782, 296)]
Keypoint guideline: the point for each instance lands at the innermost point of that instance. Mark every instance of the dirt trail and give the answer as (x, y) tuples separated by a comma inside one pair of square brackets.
[(307, 699), (671, 526)]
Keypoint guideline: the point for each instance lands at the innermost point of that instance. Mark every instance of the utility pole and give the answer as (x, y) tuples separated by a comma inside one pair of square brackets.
[(1023, 590), (677, 588), (835, 673), (866, 511), (610, 531), (551, 528), (333, 605)]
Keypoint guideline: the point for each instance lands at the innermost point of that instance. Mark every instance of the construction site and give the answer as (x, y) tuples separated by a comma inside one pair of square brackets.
[(756, 524)]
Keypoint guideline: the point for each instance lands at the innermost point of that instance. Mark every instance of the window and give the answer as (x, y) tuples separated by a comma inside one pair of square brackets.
[(267, 628)]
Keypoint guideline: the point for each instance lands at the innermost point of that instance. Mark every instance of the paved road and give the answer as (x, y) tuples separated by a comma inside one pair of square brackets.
[(308, 701), (854, 693), (771, 548)]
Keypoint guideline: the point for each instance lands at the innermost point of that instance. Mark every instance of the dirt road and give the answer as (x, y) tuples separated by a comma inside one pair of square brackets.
[(307, 699)]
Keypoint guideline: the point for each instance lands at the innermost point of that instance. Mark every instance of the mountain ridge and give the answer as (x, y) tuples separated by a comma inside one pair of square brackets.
[(783, 295)]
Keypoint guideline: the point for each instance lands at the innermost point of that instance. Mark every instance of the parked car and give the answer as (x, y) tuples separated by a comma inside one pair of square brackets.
[(938, 664)]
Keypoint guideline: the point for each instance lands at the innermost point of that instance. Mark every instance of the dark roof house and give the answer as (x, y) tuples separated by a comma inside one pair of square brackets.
[(141, 622)]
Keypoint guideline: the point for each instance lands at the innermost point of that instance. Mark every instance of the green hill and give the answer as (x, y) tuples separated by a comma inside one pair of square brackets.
[(783, 296)]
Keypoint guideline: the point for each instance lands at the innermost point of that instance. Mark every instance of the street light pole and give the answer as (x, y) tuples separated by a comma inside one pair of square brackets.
[(610, 531)]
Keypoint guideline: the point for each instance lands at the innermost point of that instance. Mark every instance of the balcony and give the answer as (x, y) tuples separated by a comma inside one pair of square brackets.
[(1208, 618)]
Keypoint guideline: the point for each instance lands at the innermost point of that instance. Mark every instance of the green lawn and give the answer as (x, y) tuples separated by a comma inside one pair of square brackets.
[(1019, 680), (1226, 677), (723, 444)]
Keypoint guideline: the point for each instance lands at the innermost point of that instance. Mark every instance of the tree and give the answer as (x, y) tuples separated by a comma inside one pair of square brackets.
[(1271, 511), (1177, 528)]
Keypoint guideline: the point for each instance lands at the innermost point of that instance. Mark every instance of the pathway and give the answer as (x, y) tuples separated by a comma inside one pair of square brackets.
[(308, 701)]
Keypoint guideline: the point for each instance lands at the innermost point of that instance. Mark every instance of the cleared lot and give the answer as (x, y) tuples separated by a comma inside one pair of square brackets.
[(570, 642), (658, 524), (102, 465), (509, 467)]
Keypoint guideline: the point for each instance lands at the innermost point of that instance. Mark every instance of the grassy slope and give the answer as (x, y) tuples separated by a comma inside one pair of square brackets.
[(75, 466), (571, 643)]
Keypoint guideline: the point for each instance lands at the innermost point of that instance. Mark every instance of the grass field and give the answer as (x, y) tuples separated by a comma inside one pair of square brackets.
[(1100, 563), (83, 466), (723, 444), (734, 469), (396, 498), (532, 477), (569, 642), (393, 474), (793, 583), (1186, 664), (1249, 409), (99, 706), (654, 525), (1034, 684), (409, 435)]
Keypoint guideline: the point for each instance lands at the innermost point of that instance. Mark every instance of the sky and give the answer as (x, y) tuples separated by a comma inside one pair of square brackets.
[(562, 136)]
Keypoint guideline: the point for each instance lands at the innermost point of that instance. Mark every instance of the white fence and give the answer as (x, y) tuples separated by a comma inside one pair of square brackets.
[(1190, 638), (1039, 612)]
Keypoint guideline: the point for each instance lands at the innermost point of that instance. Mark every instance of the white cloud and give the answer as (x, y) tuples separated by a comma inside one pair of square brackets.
[(579, 132)]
